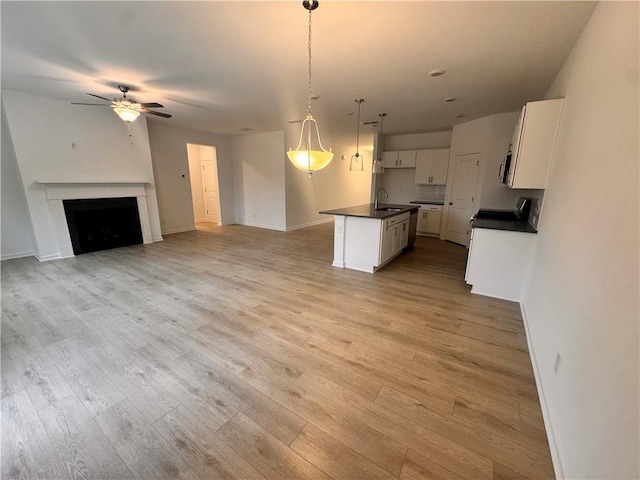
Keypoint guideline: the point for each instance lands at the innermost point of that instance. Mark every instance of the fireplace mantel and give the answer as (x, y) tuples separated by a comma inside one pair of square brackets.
[(56, 191)]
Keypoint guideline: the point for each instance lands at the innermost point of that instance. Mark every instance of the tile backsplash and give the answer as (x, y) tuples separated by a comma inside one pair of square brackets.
[(430, 193)]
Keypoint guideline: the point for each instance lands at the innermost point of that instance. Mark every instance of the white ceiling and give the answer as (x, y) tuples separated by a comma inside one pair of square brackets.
[(224, 66)]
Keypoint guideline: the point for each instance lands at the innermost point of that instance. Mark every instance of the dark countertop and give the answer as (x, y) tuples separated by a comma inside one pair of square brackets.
[(367, 211), (496, 224), (427, 202)]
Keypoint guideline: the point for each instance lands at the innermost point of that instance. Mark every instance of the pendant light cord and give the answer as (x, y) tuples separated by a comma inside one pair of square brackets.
[(309, 47), (359, 101)]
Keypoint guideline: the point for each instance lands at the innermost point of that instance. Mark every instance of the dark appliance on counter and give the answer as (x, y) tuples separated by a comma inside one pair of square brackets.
[(521, 213)]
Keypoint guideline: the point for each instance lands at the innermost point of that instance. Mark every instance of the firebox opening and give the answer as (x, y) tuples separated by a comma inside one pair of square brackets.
[(102, 223)]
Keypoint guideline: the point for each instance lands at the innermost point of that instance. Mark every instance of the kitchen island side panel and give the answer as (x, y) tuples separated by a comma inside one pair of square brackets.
[(362, 243)]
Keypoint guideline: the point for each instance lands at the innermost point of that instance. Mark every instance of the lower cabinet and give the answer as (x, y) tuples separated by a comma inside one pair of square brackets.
[(498, 262), (395, 236), (429, 219)]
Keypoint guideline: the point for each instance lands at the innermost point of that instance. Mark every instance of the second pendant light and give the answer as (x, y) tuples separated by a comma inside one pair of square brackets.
[(356, 164)]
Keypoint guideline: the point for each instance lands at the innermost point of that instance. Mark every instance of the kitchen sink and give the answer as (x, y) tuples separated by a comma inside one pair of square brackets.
[(389, 209)]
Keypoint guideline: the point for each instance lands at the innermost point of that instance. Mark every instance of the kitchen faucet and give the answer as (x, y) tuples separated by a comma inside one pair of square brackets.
[(375, 205)]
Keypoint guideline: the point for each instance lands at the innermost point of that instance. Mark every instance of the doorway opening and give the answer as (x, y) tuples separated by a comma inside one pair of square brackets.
[(203, 175)]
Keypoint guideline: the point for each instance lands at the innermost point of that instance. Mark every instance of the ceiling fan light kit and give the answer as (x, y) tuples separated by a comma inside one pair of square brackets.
[(127, 108), (128, 113), (306, 158)]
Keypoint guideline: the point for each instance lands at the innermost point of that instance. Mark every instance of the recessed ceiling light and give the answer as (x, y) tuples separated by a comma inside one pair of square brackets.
[(294, 121), (246, 129), (348, 114), (460, 116), (315, 97), (451, 99), (436, 73)]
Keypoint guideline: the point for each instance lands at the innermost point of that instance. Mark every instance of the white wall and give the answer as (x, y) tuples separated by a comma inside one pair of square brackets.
[(582, 296), (195, 177), (17, 237), (43, 131), (171, 172), (417, 141), (258, 170), (330, 188)]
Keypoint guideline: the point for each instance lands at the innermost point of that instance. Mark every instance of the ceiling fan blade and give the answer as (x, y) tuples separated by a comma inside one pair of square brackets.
[(163, 115), (94, 104), (98, 96), (151, 105)]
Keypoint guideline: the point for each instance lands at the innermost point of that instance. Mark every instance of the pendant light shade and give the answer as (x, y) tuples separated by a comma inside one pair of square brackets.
[(378, 166), (357, 162), (310, 158)]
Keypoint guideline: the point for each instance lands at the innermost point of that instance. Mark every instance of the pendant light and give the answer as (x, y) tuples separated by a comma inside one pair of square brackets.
[(356, 164), (306, 158), (378, 166)]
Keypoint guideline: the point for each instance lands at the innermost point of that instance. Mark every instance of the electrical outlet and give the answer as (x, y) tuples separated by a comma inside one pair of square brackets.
[(556, 364)]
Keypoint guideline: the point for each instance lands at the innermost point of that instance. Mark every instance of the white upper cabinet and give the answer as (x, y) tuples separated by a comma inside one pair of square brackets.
[(533, 144), (432, 166), (399, 159)]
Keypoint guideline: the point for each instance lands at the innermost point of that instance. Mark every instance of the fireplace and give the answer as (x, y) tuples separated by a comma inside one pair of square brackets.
[(102, 223)]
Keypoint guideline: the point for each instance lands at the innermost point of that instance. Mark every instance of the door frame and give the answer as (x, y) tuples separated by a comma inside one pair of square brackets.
[(450, 176), (200, 163)]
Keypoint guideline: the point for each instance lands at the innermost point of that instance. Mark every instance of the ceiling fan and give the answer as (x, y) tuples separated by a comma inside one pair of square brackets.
[(127, 108)]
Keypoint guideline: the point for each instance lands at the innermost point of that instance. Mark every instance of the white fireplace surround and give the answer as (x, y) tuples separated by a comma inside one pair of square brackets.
[(56, 192)]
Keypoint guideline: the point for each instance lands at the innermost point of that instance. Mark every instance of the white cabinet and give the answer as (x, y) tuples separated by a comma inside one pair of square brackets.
[(399, 159), (432, 166), (533, 143), (498, 261), (429, 218), (395, 236)]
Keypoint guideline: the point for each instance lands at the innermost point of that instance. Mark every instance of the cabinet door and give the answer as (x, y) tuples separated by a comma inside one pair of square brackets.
[(390, 159), (534, 145), (424, 166), (407, 159), (433, 222), (404, 234), (386, 251), (397, 238), (423, 215), (440, 166)]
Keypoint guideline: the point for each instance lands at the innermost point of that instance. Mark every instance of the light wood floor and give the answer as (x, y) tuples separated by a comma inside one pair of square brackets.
[(237, 352)]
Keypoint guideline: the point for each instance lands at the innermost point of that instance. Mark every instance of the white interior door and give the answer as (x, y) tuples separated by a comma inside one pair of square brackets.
[(210, 185), (461, 203)]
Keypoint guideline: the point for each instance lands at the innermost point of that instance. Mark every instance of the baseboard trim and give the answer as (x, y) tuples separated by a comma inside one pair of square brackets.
[(553, 445), (178, 230), (157, 239), (11, 256), (309, 224), (46, 258), (267, 227)]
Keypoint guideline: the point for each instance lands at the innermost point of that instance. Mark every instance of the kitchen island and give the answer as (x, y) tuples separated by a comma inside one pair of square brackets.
[(367, 238)]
